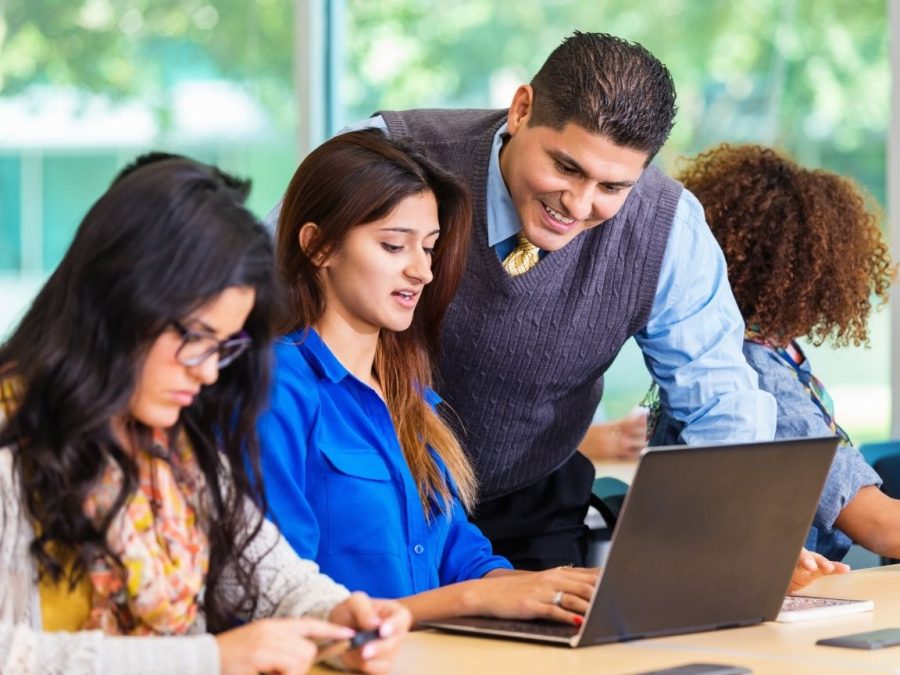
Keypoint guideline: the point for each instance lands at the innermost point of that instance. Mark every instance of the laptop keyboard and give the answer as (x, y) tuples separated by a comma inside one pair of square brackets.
[(535, 627)]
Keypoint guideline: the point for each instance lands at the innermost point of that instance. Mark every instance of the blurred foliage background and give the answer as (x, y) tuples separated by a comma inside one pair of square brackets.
[(87, 84), (811, 76)]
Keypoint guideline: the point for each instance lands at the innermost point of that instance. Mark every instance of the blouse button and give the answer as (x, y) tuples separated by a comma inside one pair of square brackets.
[(418, 548)]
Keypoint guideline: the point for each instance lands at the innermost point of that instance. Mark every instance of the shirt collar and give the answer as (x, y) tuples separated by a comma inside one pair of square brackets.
[(325, 364), (320, 358), (502, 219)]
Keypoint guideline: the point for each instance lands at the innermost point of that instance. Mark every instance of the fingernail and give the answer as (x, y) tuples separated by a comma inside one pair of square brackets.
[(578, 620), (386, 630), (369, 651)]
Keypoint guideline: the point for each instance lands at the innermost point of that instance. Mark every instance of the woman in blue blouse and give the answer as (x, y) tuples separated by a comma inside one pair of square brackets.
[(805, 256), (361, 471)]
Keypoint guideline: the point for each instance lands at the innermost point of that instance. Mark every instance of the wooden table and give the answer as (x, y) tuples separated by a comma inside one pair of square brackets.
[(767, 648)]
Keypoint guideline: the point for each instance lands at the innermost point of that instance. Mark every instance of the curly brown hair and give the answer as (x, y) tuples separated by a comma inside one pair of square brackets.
[(805, 252)]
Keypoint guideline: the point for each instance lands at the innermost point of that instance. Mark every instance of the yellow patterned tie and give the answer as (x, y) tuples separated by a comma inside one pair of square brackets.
[(522, 258)]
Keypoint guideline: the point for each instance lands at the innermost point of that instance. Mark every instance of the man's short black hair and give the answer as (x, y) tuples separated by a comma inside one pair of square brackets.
[(609, 86)]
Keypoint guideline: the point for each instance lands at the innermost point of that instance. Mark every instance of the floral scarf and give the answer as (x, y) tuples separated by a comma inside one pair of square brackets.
[(157, 535), (158, 538)]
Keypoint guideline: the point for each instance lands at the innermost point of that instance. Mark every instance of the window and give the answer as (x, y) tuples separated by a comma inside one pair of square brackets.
[(87, 85), (810, 77)]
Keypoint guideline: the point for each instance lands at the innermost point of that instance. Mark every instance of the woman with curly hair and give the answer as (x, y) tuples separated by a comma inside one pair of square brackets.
[(128, 393), (805, 257)]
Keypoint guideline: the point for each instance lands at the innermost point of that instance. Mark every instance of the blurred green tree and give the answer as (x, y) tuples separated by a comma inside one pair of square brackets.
[(809, 76), (138, 48)]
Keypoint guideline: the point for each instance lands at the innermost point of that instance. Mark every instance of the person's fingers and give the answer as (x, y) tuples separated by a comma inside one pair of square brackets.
[(393, 621), (808, 561), (560, 614), (284, 652), (373, 657), (636, 423), (576, 582), (632, 452), (635, 430), (363, 611), (580, 581), (588, 574), (823, 564), (267, 645), (573, 603), (317, 628), (581, 591), (395, 618)]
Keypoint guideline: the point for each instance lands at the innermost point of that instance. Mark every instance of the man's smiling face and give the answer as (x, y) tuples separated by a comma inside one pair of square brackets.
[(563, 182)]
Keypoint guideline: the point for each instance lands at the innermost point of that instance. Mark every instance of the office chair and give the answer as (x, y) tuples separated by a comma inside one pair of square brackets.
[(885, 459), (874, 452), (607, 496)]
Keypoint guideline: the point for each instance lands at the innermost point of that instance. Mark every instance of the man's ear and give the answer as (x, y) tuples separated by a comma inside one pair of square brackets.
[(307, 236), (520, 109)]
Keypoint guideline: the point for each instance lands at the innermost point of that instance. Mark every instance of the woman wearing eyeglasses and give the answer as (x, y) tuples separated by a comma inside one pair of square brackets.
[(129, 541), (363, 473)]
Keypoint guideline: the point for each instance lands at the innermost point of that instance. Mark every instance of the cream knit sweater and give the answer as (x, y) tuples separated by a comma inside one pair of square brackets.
[(289, 587)]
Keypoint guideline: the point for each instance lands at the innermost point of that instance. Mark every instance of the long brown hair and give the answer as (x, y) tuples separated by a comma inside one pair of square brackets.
[(348, 181)]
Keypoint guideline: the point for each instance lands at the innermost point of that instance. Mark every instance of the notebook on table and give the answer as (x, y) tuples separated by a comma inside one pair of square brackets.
[(808, 607), (707, 538)]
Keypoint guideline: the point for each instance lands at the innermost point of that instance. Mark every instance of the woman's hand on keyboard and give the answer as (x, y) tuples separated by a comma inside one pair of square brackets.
[(811, 566), (561, 594)]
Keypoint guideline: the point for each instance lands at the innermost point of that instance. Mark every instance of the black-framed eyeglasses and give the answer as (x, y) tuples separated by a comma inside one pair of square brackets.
[(196, 347)]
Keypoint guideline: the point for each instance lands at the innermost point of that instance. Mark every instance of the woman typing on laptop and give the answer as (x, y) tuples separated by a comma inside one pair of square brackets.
[(361, 470), (805, 256)]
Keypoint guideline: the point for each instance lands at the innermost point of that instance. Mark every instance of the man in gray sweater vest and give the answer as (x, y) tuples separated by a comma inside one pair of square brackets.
[(623, 252)]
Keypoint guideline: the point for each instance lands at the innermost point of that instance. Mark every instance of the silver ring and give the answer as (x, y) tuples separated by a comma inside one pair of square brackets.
[(557, 598)]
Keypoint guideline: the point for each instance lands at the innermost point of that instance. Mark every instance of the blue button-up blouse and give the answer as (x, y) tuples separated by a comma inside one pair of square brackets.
[(339, 487)]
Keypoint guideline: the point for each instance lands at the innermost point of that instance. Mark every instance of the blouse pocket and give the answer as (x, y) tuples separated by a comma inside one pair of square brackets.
[(361, 463), (362, 501)]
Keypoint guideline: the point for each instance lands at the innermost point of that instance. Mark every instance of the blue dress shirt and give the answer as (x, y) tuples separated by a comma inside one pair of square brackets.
[(693, 338), (339, 487)]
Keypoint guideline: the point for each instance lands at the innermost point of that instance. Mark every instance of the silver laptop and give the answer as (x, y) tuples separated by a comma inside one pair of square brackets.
[(707, 538)]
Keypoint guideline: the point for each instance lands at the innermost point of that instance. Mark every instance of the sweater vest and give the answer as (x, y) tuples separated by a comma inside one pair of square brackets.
[(524, 357)]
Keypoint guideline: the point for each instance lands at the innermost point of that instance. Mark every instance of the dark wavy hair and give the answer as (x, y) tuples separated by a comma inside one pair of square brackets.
[(804, 250), (357, 178), (165, 239), (609, 86)]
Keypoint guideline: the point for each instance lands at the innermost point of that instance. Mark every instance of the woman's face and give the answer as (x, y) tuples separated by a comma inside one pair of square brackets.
[(375, 278), (165, 386)]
